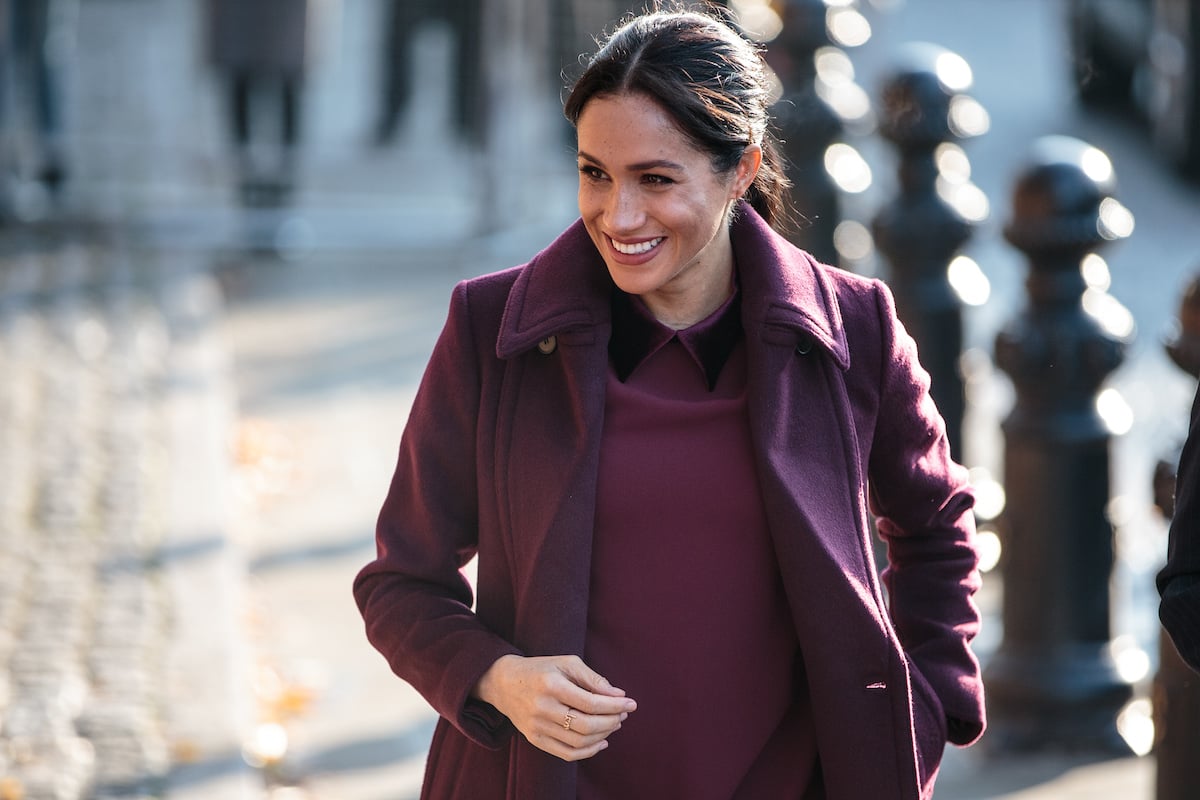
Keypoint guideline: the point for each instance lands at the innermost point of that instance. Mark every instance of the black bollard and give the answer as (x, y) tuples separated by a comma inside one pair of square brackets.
[(1176, 687), (811, 115), (1053, 681), (923, 112)]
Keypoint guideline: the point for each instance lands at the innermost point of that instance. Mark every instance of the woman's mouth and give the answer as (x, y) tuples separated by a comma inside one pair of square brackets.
[(636, 249)]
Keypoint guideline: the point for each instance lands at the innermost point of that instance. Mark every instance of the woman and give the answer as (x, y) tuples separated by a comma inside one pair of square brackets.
[(660, 436)]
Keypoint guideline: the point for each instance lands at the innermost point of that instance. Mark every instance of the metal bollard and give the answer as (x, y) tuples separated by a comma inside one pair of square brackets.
[(1176, 690), (1053, 681), (819, 98), (923, 112)]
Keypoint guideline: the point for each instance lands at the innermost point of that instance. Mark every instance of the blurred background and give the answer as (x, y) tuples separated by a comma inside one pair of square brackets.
[(228, 233)]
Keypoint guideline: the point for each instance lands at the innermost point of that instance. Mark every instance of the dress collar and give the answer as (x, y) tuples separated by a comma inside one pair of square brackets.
[(637, 335)]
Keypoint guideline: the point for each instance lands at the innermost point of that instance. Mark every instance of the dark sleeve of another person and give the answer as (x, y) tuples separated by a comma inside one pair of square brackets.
[(1179, 580)]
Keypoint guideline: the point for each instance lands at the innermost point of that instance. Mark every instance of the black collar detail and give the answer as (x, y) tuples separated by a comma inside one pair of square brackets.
[(637, 335)]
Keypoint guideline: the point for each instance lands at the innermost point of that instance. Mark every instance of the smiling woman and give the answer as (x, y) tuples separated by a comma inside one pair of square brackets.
[(655, 208), (664, 438)]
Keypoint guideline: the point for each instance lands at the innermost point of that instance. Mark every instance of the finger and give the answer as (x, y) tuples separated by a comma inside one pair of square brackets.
[(574, 689), (580, 754), (587, 678), (557, 747), (593, 724), (570, 743), (576, 737), (597, 705)]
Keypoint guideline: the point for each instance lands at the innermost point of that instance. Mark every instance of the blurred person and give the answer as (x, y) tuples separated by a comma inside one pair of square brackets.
[(404, 19), (34, 49), (1179, 580), (663, 438), (261, 49)]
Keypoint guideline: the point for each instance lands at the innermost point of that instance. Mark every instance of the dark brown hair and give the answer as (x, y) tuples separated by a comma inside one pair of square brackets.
[(708, 78)]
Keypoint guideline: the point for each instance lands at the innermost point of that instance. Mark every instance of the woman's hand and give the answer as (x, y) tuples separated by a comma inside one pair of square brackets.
[(537, 695)]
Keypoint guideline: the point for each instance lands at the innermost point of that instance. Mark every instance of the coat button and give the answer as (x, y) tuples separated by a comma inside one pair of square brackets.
[(804, 346), (548, 345)]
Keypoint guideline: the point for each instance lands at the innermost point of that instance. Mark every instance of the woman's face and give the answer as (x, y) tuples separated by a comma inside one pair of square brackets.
[(654, 207)]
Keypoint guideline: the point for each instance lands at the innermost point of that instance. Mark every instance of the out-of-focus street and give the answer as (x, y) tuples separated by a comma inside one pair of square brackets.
[(202, 399)]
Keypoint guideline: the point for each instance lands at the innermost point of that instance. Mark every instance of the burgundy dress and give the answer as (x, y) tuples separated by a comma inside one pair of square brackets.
[(686, 610)]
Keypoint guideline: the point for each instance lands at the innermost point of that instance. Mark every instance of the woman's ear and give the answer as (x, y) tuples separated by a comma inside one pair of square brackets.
[(746, 170)]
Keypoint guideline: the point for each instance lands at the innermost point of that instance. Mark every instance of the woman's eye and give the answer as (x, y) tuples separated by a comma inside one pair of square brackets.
[(657, 180), (591, 172)]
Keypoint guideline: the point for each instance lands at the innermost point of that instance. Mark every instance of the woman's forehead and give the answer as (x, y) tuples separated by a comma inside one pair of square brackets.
[(633, 127)]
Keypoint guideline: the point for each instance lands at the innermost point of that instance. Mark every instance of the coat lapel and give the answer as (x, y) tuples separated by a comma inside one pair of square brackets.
[(554, 334), (801, 418)]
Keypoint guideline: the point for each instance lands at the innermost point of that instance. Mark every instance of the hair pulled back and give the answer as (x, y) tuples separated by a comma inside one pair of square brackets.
[(708, 78)]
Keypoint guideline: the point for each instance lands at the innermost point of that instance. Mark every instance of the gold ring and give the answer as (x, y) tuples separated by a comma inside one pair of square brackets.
[(568, 719)]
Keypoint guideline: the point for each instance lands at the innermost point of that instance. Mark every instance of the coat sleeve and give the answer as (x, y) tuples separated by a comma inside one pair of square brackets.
[(413, 597), (1179, 579), (923, 506)]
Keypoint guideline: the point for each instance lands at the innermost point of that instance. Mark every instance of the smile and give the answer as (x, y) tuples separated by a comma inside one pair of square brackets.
[(635, 249)]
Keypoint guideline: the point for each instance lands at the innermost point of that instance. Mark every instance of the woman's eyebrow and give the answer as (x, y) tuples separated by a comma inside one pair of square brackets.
[(659, 163), (641, 166)]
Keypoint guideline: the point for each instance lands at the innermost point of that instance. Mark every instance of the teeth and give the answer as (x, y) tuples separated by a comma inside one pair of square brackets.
[(635, 249)]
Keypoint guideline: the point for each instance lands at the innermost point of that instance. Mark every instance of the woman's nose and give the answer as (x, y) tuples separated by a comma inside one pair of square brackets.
[(625, 210)]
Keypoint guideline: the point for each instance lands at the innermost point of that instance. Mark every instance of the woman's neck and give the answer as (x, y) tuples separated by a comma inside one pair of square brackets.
[(684, 304), (684, 313)]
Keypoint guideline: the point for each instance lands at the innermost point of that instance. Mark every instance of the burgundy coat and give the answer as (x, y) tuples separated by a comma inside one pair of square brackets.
[(500, 456)]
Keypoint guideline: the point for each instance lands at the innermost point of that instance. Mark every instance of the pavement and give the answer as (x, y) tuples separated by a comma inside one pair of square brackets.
[(201, 407)]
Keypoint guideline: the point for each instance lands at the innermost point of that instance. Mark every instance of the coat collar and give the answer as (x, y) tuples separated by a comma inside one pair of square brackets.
[(566, 289)]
